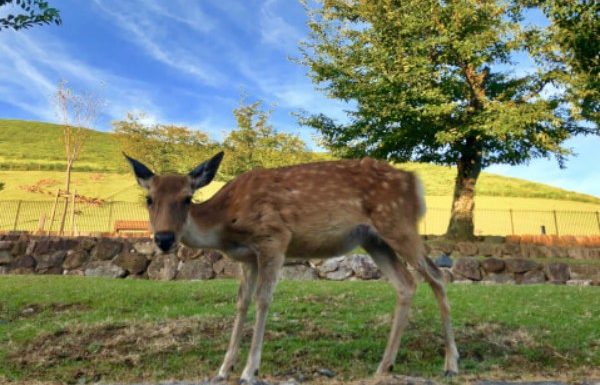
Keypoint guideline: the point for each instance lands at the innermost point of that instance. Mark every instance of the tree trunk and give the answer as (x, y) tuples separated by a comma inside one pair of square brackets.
[(68, 177), (461, 225)]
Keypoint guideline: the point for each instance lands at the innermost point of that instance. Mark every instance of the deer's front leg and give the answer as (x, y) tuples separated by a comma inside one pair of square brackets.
[(268, 269), (245, 292)]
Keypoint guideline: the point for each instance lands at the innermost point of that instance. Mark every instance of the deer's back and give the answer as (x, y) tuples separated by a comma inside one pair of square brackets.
[(321, 204)]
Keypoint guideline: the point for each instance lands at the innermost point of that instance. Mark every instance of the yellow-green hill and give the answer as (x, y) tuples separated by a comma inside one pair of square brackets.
[(31, 153)]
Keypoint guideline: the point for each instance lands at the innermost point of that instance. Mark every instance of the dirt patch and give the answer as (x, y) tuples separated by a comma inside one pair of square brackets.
[(117, 343), (97, 177), (46, 187), (518, 347), (96, 349), (40, 186)]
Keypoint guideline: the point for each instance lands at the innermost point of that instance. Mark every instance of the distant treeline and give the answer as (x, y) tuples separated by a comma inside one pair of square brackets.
[(253, 143)]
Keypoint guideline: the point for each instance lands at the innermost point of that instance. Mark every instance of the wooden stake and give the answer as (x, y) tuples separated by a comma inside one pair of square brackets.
[(17, 215), (512, 222), (61, 230), (73, 212), (53, 211), (41, 224)]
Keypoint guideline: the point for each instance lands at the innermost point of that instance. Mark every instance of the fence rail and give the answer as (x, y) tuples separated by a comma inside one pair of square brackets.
[(21, 215)]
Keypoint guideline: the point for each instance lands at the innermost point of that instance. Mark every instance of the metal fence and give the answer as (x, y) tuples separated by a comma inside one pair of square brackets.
[(26, 216)]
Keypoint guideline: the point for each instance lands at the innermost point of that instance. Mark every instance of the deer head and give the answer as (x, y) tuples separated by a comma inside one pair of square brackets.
[(169, 197)]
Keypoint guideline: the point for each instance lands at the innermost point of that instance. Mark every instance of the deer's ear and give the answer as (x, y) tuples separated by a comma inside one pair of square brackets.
[(142, 173), (204, 173)]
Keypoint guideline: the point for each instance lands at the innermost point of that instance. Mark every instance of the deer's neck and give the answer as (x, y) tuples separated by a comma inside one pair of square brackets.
[(203, 227)]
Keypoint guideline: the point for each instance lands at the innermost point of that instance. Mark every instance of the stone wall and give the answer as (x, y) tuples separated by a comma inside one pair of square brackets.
[(489, 260)]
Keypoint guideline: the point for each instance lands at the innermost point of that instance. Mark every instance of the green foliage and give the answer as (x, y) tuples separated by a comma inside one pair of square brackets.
[(575, 29), (164, 148), (420, 74), (255, 143), (33, 12), (184, 328)]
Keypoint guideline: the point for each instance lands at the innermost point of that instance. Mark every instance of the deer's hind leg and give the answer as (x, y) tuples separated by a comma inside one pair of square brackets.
[(405, 241), (432, 274), (404, 283)]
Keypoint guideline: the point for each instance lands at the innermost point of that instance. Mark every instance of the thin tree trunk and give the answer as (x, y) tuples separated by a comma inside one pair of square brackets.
[(461, 225), (68, 177)]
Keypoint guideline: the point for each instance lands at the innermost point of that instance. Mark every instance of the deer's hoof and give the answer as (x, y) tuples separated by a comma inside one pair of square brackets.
[(253, 381), (217, 380), (450, 373)]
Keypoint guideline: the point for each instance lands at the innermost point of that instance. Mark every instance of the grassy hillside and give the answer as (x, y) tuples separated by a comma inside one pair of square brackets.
[(36, 146), (27, 145)]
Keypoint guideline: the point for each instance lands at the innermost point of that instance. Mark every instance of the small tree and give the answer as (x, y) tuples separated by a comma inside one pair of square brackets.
[(78, 113), (255, 143), (32, 12), (427, 86)]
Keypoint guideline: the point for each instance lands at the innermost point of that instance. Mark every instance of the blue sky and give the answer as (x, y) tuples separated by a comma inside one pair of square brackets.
[(187, 63)]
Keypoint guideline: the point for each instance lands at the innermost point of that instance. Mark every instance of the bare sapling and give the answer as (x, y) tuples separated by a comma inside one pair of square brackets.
[(77, 113)]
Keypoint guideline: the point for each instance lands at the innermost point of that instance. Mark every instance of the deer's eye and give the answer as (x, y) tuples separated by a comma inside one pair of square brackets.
[(187, 200), (149, 201)]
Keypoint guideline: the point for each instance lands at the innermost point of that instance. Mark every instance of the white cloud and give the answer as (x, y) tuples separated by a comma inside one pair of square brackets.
[(275, 30), (148, 30), (190, 14), (32, 68)]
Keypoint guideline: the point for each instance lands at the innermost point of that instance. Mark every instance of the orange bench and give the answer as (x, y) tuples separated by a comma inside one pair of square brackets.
[(125, 225)]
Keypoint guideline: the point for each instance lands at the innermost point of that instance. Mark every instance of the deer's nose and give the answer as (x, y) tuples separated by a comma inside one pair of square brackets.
[(164, 240)]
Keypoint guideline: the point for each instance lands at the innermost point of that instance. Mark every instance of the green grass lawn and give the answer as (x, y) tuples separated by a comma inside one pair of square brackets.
[(73, 329)]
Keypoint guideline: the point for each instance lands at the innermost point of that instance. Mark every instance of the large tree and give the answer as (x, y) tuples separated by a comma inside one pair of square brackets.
[(23, 14), (435, 82)]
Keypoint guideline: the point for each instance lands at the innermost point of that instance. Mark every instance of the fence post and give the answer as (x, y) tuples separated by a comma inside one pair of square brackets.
[(598, 220), (555, 222), (17, 215), (53, 211), (110, 215), (512, 222)]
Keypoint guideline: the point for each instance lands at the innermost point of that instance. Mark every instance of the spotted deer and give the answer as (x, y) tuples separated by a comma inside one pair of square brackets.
[(314, 210)]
